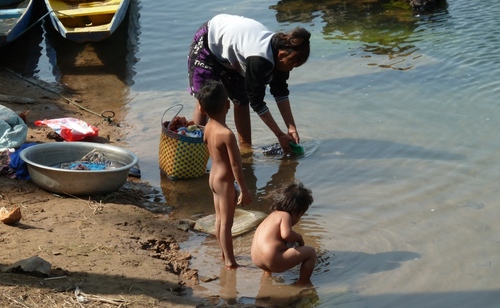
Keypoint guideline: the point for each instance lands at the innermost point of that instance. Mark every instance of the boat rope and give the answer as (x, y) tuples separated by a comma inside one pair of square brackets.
[(32, 25), (106, 115)]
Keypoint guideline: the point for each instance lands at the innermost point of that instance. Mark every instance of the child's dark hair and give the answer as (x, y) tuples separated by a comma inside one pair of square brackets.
[(293, 199), (212, 97), (296, 44)]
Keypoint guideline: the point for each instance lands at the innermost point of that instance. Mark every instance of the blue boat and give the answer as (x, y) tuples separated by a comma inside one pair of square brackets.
[(15, 18)]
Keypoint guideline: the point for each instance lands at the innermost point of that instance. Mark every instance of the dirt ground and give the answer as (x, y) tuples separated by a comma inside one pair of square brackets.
[(115, 250)]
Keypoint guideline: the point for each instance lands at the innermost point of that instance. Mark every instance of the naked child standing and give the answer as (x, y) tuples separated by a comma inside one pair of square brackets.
[(226, 165)]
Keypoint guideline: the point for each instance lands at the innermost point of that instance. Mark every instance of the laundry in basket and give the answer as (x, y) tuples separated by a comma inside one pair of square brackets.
[(182, 152)]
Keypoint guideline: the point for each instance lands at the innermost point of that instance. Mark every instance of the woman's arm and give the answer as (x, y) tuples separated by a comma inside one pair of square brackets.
[(283, 139), (286, 113), (259, 72)]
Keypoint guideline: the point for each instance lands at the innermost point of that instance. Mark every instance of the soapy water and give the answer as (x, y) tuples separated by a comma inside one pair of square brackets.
[(223, 287), (267, 148), (93, 161), (90, 166)]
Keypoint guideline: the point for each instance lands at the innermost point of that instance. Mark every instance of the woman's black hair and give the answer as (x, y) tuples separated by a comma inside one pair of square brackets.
[(293, 199), (295, 43)]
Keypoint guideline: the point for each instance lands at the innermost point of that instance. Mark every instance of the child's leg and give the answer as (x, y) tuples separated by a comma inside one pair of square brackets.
[(224, 218), (307, 266), (226, 238), (217, 223), (305, 255)]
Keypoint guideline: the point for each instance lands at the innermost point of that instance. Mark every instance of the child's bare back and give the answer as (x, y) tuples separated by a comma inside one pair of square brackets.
[(270, 245), (219, 140), (276, 247)]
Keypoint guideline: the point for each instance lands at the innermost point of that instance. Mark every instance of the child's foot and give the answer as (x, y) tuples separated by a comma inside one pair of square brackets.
[(232, 266), (303, 284)]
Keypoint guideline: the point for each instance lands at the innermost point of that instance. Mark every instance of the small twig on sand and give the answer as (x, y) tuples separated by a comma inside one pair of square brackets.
[(82, 297), (13, 300), (54, 278)]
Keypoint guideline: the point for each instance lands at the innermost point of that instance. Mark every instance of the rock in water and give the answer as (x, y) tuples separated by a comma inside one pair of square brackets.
[(244, 221)]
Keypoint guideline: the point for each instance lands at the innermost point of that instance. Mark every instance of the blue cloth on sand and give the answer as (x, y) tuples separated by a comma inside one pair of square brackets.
[(20, 165)]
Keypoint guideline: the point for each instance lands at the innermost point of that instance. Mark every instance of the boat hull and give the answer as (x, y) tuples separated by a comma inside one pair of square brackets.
[(14, 20), (81, 21)]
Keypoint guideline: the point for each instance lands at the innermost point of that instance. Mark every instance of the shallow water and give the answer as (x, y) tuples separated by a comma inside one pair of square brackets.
[(402, 110)]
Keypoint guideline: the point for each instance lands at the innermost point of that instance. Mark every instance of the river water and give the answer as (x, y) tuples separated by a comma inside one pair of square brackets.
[(399, 113)]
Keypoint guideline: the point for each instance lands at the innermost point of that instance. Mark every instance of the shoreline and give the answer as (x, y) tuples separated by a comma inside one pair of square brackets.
[(115, 246)]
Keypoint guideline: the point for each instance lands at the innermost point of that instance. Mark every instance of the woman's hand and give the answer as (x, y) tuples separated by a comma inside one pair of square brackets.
[(295, 136), (284, 141)]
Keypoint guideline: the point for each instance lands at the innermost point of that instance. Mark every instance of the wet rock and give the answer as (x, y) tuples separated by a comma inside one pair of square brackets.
[(426, 5), (185, 224)]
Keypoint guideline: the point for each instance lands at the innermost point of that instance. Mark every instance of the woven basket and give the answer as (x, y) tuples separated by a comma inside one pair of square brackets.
[(180, 156)]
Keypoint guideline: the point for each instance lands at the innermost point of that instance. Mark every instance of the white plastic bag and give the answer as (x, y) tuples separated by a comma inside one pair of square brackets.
[(70, 129)]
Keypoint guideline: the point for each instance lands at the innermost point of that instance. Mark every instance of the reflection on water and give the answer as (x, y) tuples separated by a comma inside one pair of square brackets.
[(405, 177), (246, 285), (381, 27), (193, 197), (274, 293), (226, 290), (23, 54), (110, 57), (227, 281), (266, 184), (102, 70)]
